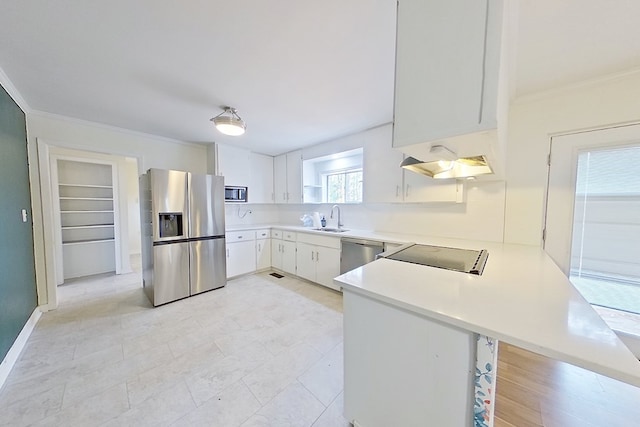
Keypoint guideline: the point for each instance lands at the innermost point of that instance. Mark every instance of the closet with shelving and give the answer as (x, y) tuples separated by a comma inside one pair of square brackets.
[(87, 217)]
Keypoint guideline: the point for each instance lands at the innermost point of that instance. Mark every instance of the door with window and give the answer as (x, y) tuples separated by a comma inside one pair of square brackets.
[(592, 228)]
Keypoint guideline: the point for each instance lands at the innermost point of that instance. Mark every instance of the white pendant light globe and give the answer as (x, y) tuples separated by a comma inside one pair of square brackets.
[(229, 122)]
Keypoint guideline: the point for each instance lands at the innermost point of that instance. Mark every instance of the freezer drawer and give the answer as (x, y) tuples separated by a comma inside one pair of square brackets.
[(208, 264), (170, 272)]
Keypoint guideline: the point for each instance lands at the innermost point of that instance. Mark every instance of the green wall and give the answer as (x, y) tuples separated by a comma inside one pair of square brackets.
[(18, 296)]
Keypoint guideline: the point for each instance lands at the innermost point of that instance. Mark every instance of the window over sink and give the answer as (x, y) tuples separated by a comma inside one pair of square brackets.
[(336, 178)]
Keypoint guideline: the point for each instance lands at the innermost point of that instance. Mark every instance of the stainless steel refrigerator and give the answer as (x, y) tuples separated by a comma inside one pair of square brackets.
[(183, 244)]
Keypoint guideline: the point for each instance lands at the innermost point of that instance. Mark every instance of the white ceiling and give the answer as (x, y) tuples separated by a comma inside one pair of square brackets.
[(298, 72)]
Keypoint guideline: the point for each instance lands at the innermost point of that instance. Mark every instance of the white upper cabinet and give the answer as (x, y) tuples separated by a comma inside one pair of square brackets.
[(233, 163), (294, 176), (287, 173), (261, 184), (382, 174), (449, 87), (386, 182), (243, 168), (280, 178)]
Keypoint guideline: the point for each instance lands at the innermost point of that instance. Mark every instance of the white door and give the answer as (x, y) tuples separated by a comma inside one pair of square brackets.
[(276, 253), (280, 178), (562, 184), (327, 266), (263, 254), (289, 257), (306, 261), (294, 177), (241, 258)]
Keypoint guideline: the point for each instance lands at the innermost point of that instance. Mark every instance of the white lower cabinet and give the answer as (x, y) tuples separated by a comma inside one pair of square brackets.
[(310, 256), (306, 262), (283, 251), (263, 249), (318, 258), (289, 257), (241, 253)]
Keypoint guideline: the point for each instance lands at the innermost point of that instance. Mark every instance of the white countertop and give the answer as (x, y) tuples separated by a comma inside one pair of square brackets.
[(362, 234), (522, 298)]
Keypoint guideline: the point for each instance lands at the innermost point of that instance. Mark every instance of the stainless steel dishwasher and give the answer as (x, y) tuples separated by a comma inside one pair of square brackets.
[(358, 252)]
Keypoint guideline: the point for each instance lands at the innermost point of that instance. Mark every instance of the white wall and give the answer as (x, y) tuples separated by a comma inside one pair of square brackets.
[(480, 218), (47, 131), (152, 152), (133, 205), (251, 214), (532, 121)]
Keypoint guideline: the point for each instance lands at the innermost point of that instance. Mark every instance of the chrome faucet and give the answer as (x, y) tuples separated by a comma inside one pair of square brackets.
[(340, 224)]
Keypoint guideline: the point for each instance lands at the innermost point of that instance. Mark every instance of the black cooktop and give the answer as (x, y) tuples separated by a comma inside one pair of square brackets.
[(464, 260)]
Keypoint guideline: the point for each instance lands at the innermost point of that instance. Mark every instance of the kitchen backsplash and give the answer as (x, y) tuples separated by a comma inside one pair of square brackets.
[(480, 218)]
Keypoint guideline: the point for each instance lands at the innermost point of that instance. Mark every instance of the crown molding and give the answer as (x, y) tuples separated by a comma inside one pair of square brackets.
[(583, 84), (6, 83)]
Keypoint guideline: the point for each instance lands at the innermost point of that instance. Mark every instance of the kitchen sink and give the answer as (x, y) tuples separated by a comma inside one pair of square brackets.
[(332, 230)]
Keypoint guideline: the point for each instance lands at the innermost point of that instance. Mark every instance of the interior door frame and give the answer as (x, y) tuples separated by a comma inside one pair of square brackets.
[(569, 145), (54, 156), (46, 150)]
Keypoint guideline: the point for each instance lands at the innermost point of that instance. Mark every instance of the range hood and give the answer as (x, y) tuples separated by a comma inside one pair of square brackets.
[(465, 167), (445, 164)]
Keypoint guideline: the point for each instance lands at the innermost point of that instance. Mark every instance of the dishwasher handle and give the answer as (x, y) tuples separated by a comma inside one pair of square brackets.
[(363, 242)]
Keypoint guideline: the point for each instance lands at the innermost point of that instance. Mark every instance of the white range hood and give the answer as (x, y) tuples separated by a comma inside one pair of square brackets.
[(451, 97)]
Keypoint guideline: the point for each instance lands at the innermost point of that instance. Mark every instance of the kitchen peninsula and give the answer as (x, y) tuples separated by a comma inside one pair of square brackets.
[(413, 334)]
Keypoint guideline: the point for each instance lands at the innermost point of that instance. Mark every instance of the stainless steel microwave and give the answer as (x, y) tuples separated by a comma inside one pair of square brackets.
[(235, 194)]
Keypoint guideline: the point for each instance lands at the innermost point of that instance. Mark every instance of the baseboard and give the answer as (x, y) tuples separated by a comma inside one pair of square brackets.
[(14, 352)]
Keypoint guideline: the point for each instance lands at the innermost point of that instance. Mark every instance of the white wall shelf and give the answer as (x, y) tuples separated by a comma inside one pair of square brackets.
[(86, 199), (88, 241)]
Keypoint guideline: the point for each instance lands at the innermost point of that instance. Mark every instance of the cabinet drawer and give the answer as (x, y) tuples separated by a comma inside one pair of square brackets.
[(263, 234), (319, 240), (239, 236), (276, 234), (289, 235)]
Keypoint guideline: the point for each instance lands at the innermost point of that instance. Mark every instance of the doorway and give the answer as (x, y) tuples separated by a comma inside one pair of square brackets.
[(605, 248), (92, 215), (592, 223)]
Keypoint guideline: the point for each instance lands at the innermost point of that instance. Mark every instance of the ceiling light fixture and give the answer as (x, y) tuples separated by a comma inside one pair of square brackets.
[(229, 122)]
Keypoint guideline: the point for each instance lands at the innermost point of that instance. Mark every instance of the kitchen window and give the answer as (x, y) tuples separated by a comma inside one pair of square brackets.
[(334, 178), (344, 187)]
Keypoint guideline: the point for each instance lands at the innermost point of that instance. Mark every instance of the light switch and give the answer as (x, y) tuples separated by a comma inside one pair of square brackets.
[(24, 215)]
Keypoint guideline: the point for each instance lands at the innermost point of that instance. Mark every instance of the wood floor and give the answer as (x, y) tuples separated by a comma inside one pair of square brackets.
[(533, 390)]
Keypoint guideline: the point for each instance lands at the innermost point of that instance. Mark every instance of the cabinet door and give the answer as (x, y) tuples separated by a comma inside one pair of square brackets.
[(276, 253), (263, 254), (382, 172), (280, 178), (327, 266), (261, 186), (439, 69), (420, 188), (241, 258), (234, 165), (289, 257), (294, 177), (306, 261)]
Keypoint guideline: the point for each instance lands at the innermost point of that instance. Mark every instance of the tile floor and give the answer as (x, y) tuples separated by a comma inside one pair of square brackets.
[(260, 352)]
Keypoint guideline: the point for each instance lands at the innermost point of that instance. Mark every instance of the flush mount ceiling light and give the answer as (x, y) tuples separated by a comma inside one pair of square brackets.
[(229, 122)]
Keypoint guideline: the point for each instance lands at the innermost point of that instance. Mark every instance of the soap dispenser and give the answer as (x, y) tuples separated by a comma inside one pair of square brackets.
[(323, 221)]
